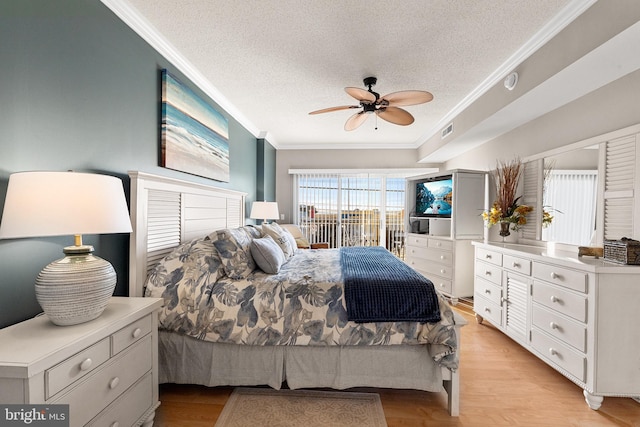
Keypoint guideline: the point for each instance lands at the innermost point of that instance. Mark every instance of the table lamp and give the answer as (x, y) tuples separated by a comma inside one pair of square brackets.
[(264, 211), (74, 289)]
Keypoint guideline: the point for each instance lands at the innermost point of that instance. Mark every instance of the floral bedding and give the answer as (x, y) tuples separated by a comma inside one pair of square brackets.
[(208, 297)]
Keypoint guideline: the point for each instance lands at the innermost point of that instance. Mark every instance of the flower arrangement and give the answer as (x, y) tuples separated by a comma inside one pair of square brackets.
[(505, 209)]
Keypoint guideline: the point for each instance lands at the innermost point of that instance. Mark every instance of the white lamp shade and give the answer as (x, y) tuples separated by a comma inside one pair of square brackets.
[(264, 210), (63, 203)]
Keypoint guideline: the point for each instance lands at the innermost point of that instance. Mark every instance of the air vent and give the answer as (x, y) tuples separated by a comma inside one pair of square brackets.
[(447, 130)]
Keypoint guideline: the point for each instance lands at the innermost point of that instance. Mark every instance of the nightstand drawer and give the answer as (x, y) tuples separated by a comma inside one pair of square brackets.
[(130, 334), (75, 367), (107, 383), (566, 330), (558, 353), (129, 407), (561, 300), (489, 272)]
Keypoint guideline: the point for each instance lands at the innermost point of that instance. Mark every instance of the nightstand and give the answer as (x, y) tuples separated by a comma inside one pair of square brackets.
[(105, 369)]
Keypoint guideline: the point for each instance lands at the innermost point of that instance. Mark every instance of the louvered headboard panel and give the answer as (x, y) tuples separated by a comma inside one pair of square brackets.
[(166, 212)]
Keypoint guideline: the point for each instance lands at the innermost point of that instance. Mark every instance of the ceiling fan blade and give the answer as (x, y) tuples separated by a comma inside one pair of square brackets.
[(355, 121), (395, 115), (330, 109), (407, 97), (360, 94)]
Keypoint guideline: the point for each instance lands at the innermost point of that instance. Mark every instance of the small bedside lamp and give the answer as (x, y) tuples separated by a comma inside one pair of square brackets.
[(76, 288), (264, 211)]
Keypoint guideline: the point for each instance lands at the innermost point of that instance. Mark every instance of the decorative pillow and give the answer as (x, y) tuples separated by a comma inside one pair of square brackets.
[(234, 247), (278, 234), (292, 240), (267, 254)]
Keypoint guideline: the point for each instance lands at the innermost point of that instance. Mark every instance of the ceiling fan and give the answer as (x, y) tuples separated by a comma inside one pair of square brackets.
[(385, 107)]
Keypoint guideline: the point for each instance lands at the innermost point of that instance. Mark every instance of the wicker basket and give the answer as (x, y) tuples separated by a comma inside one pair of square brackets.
[(625, 251)]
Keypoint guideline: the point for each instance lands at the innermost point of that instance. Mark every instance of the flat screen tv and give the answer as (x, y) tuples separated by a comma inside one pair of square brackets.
[(434, 197)]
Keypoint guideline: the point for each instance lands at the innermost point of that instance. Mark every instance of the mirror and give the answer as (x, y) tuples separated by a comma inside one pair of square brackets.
[(570, 196)]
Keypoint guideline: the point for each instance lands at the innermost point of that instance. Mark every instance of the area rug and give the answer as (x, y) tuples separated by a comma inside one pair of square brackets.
[(294, 408)]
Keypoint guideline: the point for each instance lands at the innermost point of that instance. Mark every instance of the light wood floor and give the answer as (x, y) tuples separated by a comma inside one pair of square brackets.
[(526, 393)]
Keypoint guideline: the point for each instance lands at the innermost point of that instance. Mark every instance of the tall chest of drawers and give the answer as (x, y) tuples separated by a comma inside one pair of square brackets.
[(106, 370), (579, 315), (447, 262)]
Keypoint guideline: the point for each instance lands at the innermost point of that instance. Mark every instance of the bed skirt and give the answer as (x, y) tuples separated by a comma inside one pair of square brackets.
[(185, 360)]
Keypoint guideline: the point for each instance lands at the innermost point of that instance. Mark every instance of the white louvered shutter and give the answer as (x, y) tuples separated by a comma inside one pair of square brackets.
[(619, 195), (532, 184)]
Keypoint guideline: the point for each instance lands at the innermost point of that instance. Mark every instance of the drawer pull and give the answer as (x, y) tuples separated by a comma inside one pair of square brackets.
[(86, 364), (487, 256), (516, 265), (115, 424), (136, 333), (442, 271), (438, 244), (441, 285), (554, 298), (552, 351), (487, 309), (554, 275), (487, 273), (487, 291), (442, 257), (553, 325), (114, 383)]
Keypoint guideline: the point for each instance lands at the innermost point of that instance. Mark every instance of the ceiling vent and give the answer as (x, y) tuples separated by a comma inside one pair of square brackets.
[(447, 130)]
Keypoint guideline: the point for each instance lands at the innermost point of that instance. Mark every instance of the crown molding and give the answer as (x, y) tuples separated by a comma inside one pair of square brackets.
[(141, 26)]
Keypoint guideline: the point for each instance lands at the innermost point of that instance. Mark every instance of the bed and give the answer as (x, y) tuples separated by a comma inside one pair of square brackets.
[(289, 326)]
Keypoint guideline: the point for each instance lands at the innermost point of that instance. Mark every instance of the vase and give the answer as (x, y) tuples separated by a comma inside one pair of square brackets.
[(504, 229)]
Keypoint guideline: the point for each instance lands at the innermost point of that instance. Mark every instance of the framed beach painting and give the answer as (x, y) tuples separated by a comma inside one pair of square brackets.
[(195, 137)]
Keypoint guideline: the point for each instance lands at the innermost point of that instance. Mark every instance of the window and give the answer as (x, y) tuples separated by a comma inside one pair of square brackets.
[(351, 209)]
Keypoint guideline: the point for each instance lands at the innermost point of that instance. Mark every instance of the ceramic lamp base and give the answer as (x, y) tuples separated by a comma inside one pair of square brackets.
[(76, 288)]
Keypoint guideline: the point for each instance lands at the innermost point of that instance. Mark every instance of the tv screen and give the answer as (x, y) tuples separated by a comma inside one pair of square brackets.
[(434, 198)]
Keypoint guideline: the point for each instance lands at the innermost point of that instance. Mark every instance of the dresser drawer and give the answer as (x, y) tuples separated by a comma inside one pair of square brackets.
[(489, 256), (129, 407), (108, 382), (559, 354), (489, 272), (419, 241), (519, 265), (488, 290), (488, 310), (443, 285), (130, 334), (563, 301), (566, 330), (441, 244), (75, 367), (431, 268), (572, 279)]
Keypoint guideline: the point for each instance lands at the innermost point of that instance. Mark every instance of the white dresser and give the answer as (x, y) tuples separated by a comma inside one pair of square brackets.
[(579, 315), (106, 369), (446, 262)]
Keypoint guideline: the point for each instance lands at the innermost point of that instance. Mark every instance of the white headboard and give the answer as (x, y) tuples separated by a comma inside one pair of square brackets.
[(166, 212)]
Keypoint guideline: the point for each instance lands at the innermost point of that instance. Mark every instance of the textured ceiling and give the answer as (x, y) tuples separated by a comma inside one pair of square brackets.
[(277, 60)]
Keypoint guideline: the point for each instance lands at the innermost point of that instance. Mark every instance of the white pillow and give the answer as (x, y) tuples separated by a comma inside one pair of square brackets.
[(267, 254), (277, 233)]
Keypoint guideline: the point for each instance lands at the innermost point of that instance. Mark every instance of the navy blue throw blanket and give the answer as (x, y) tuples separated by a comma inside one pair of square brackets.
[(378, 287)]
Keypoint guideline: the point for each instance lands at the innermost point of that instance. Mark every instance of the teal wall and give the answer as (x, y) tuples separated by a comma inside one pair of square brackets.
[(81, 91)]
